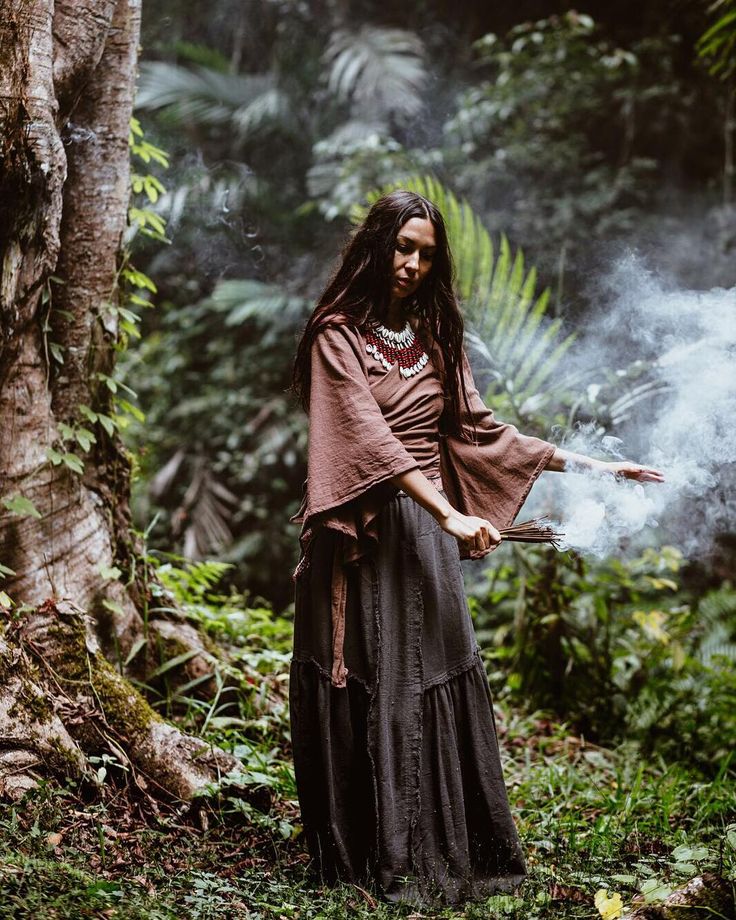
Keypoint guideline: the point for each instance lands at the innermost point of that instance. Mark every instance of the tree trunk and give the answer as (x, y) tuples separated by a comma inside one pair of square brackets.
[(66, 93)]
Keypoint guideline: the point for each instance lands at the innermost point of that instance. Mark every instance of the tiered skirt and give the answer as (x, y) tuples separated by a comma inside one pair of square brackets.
[(398, 774)]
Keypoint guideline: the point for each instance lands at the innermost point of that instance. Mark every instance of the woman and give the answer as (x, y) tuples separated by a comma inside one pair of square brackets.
[(395, 750)]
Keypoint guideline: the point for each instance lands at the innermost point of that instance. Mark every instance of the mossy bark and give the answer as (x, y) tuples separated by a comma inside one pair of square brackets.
[(66, 702)]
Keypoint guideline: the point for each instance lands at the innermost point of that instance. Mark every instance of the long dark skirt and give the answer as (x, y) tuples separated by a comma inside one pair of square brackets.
[(398, 774)]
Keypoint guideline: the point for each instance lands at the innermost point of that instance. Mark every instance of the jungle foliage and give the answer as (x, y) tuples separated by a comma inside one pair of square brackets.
[(549, 145)]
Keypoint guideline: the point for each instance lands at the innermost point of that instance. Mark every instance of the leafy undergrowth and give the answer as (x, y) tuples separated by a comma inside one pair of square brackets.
[(590, 818)]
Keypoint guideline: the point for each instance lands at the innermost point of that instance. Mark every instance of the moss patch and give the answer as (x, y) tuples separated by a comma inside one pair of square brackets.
[(121, 702), (32, 706)]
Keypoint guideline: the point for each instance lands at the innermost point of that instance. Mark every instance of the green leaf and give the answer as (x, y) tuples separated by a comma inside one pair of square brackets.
[(174, 662), (227, 721), (137, 646), (4, 570), (130, 329), (88, 413), (75, 463), (654, 890), (85, 438), (107, 889), (129, 315), (109, 573), (139, 301), (107, 423), (113, 606), (139, 279), (5, 601), (132, 410), (23, 507), (684, 853)]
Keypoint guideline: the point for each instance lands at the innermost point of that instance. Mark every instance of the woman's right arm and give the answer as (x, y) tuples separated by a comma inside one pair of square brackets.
[(476, 532)]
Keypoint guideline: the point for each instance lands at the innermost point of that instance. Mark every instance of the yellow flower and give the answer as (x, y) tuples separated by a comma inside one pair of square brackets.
[(609, 908)]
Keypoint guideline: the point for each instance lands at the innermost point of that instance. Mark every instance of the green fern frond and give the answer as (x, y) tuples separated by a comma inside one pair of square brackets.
[(725, 651), (717, 45), (717, 606), (190, 581)]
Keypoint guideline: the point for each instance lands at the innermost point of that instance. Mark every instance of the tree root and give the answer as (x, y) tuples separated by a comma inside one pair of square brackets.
[(707, 895), (62, 702)]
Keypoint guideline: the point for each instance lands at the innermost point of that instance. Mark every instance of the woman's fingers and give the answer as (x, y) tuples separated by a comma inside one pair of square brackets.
[(485, 537), (645, 474), (637, 472), (476, 533)]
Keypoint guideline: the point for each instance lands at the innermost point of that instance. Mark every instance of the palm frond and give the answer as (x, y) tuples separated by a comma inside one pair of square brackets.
[(350, 133), (243, 299), (269, 109), (203, 518), (378, 67), (620, 409), (205, 97)]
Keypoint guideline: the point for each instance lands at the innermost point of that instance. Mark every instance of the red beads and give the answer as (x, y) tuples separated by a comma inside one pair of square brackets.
[(389, 347)]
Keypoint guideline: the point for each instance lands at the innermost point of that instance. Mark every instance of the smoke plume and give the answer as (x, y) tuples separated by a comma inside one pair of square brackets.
[(687, 429)]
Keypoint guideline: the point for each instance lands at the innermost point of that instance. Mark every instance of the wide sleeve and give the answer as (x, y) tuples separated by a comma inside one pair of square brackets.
[(491, 476), (351, 456), (351, 446)]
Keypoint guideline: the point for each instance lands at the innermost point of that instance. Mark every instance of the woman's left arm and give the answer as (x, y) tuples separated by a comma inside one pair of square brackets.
[(566, 461)]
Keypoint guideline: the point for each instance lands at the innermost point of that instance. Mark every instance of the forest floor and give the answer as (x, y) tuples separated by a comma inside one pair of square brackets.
[(589, 818)]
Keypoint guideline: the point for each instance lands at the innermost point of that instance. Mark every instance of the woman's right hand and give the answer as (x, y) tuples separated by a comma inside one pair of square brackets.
[(475, 532)]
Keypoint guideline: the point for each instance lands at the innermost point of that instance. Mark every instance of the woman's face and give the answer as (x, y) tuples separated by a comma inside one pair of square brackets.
[(413, 254)]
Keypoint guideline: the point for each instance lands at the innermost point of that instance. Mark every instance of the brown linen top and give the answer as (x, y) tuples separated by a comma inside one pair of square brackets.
[(412, 408), (367, 425)]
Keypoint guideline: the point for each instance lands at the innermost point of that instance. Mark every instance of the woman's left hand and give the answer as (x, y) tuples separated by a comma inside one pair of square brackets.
[(627, 470)]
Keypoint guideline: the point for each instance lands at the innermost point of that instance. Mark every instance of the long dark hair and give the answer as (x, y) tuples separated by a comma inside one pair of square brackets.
[(362, 286)]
